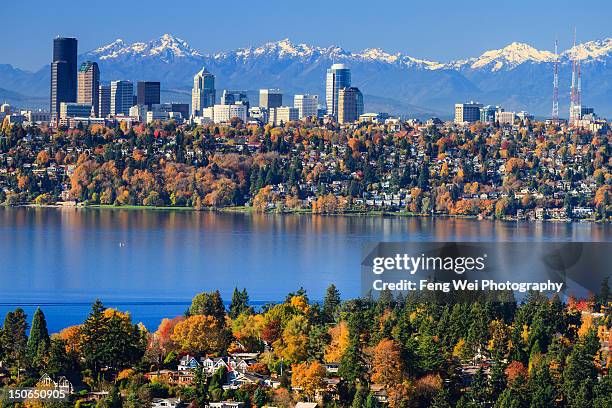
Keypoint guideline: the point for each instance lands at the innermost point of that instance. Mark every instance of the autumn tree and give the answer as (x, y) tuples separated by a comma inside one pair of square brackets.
[(386, 364), (339, 342), (308, 377), (201, 334)]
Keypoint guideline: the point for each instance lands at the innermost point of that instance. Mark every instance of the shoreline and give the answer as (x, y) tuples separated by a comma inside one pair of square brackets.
[(302, 211)]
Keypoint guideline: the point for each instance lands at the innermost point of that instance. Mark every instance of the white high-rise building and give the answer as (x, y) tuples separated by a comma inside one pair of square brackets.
[(338, 77), (223, 113), (122, 97), (203, 93), (283, 114), (307, 105)]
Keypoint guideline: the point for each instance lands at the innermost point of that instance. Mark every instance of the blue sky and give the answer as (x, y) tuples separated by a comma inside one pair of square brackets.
[(437, 30)]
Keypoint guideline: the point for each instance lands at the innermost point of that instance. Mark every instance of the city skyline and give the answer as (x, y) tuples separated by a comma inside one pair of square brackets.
[(419, 35)]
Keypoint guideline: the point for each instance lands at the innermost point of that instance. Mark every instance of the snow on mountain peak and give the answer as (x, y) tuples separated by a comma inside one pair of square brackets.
[(166, 47), (510, 56), (590, 50)]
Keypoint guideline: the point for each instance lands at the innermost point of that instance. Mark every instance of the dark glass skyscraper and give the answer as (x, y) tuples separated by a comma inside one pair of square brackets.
[(147, 93), (63, 74)]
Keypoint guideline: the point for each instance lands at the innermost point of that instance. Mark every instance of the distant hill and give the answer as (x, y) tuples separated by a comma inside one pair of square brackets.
[(518, 77)]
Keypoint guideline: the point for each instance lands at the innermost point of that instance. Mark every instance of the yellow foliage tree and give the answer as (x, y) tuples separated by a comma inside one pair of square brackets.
[(308, 377), (339, 342)]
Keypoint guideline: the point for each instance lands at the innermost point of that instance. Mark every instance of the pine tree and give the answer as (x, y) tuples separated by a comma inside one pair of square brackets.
[(209, 304), (38, 343), (441, 399), (14, 338), (541, 389), (331, 303), (240, 303), (92, 334)]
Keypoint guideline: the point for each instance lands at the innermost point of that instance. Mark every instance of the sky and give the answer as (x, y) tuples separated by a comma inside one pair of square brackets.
[(438, 30)]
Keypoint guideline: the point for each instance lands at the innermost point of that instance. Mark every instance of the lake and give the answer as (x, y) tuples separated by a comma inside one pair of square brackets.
[(151, 263)]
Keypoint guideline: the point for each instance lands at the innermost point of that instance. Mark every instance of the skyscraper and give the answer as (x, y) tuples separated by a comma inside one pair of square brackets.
[(338, 77), (350, 104), (467, 112), (307, 105), (122, 97), (230, 97), (203, 92), (104, 104), (270, 98), (89, 86), (63, 74), (147, 93)]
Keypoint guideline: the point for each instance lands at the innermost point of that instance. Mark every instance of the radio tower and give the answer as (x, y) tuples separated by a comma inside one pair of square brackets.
[(576, 88), (555, 105)]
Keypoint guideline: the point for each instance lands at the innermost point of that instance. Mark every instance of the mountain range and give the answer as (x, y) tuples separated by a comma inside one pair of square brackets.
[(517, 77)]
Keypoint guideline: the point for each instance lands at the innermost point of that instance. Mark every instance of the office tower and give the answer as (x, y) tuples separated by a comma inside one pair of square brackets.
[(147, 93), (307, 105), (122, 97), (203, 92), (89, 86), (467, 112), (223, 113), (104, 105), (182, 108), (338, 77), (63, 74), (350, 104), (282, 115), (270, 98), (74, 110), (487, 113), (235, 98), (505, 118)]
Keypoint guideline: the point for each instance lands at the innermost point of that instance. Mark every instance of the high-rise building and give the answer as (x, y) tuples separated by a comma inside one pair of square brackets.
[(89, 86), (487, 113), (235, 98), (338, 77), (63, 74), (104, 104), (74, 110), (147, 93), (282, 115), (122, 97), (467, 112), (350, 104), (270, 98), (223, 113), (203, 92), (307, 105), (505, 118)]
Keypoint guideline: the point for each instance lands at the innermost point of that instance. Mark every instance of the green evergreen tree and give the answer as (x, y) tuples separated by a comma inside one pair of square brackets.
[(239, 304), (441, 399), (14, 339), (37, 347), (331, 303), (209, 304), (260, 398), (541, 388)]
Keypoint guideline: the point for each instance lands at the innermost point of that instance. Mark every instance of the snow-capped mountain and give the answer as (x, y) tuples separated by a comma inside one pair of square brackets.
[(598, 50), (507, 58), (517, 76), (167, 48)]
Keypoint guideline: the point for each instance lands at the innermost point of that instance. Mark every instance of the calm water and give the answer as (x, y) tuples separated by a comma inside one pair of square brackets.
[(153, 262)]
